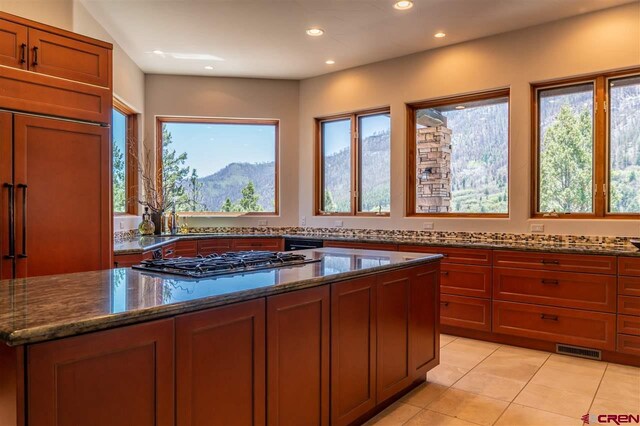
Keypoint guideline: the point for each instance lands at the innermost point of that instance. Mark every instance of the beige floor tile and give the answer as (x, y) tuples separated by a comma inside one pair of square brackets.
[(424, 394), (607, 406), (517, 415), (620, 384), (445, 339), (568, 379), (623, 369), (469, 406), (463, 355), (554, 400), (489, 385), (431, 418), (396, 415), (572, 364), (511, 364), (479, 344), (445, 374)]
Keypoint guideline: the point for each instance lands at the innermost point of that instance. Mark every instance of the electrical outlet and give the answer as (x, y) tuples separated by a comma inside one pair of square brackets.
[(338, 223), (262, 222), (121, 225), (427, 226), (303, 221), (537, 228)]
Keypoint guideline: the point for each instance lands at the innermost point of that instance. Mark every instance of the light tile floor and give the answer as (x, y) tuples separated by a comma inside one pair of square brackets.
[(482, 383)]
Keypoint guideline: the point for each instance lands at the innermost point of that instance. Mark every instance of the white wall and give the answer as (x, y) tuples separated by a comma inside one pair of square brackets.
[(58, 13), (234, 98), (599, 41)]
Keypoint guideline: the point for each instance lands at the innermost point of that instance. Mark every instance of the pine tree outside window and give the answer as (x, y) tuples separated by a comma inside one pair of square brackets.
[(124, 149)]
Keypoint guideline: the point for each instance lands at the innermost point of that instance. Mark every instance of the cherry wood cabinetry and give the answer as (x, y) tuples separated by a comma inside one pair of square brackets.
[(271, 244), (298, 357), (214, 245), (555, 261), (628, 324), (13, 44), (364, 246), (629, 305), (629, 344), (122, 376), (424, 324), (465, 280), (629, 286), (353, 349), (454, 255), (220, 366), (186, 248), (466, 312), (169, 251), (629, 266), (7, 191), (127, 260)]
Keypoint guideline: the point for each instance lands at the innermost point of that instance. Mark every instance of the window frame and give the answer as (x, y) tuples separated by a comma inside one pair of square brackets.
[(412, 108), (130, 156), (160, 120), (601, 145), (355, 160)]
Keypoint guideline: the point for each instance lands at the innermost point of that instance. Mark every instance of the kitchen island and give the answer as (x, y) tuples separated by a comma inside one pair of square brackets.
[(330, 342)]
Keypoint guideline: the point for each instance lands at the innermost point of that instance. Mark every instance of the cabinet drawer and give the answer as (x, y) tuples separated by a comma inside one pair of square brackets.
[(555, 261), (629, 325), (629, 344), (465, 280), (186, 248), (126, 260), (629, 305), (629, 286), (465, 312), (169, 251), (565, 289), (64, 57), (364, 246), (214, 245), (570, 326), (629, 266), (13, 44), (454, 255), (273, 244)]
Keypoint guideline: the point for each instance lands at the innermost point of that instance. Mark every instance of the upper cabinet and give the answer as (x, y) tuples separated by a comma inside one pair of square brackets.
[(50, 71)]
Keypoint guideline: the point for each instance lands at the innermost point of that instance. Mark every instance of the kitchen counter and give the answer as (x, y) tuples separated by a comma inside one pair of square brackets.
[(44, 308), (143, 244)]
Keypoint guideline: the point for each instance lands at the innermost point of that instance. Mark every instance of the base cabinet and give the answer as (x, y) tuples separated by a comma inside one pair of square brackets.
[(117, 377), (220, 369)]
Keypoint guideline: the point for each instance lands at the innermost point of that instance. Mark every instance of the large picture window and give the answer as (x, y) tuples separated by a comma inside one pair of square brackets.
[(586, 146), (354, 163), (458, 156), (124, 167), (221, 166)]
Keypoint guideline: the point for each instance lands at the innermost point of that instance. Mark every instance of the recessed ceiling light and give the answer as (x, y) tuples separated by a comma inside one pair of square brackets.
[(208, 67), (439, 35), (330, 62), (158, 52), (403, 5), (315, 32), (460, 107)]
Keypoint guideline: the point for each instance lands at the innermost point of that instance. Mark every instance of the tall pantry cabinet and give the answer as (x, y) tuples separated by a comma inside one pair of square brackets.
[(55, 150)]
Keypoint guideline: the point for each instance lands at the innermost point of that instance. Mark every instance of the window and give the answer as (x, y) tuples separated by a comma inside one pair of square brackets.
[(354, 164), (586, 140), (124, 150), (458, 156), (221, 166)]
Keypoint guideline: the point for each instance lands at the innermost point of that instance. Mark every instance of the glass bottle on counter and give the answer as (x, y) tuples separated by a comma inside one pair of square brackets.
[(146, 227)]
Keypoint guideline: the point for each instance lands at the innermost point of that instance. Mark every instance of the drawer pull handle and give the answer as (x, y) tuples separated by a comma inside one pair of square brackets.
[(444, 272), (550, 282), (550, 262), (445, 304), (549, 317)]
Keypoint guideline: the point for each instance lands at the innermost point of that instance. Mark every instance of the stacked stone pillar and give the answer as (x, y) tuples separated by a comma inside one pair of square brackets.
[(433, 178)]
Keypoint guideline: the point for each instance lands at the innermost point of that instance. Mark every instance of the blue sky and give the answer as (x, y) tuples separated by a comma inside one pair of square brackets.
[(119, 130), (211, 147), (337, 134)]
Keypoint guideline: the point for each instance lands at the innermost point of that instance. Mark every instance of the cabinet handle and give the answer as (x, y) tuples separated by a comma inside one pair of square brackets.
[(550, 282), (35, 55), (550, 262), (445, 304), (444, 272), (23, 53), (12, 216), (549, 317), (24, 220)]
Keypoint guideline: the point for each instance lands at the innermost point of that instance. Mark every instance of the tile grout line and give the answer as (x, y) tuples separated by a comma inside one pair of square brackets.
[(598, 388)]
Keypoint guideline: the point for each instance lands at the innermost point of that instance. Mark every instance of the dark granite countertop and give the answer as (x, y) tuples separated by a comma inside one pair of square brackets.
[(44, 308), (149, 243)]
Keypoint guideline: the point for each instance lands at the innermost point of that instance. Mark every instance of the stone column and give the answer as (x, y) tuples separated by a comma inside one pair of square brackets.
[(433, 178)]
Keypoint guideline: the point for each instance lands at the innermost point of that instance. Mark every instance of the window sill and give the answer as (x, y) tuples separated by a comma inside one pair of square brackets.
[(225, 215)]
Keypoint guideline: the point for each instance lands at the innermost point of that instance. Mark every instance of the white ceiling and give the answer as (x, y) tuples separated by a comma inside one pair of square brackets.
[(266, 38)]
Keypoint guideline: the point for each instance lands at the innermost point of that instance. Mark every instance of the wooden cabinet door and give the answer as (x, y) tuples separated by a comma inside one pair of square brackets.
[(245, 244), (63, 196), (220, 366), (424, 320), (353, 349), (186, 248), (393, 365), (214, 245), (6, 194), (64, 57), (465, 312), (364, 246), (126, 260), (13, 44), (298, 357), (117, 377)]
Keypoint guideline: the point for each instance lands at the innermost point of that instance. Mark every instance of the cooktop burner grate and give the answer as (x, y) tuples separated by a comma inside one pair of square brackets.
[(221, 264)]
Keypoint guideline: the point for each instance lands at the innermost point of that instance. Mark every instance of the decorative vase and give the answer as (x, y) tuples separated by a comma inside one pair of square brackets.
[(156, 218), (146, 227)]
